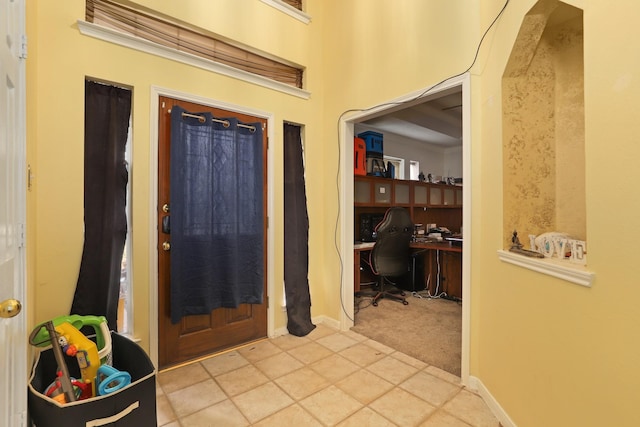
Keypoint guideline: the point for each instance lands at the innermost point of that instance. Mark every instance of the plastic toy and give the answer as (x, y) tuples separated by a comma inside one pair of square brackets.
[(98, 323), (110, 379), (64, 380), (74, 343), (81, 390)]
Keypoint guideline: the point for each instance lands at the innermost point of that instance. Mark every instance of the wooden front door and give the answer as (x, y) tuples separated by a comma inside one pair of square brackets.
[(199, 335)]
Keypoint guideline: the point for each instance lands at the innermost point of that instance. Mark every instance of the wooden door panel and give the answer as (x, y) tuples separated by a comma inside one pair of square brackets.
[(199, 335)]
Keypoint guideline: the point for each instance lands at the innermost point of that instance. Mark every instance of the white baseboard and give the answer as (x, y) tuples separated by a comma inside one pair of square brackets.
[(476, 385)]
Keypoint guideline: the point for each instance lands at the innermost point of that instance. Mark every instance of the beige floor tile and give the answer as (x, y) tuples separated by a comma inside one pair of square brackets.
[(402, 408), (261, 402), (447, 376), (310, 352), (323, 379), (392, 370), (320, 331), (159, 391), (191, 399), (366, 417), (379, 346), (443, 419), (181, 377), (302, 383), (331, 405), (287, 342), (336, 342), (471, 408), (411, 361), (164, 410), (241, 380), (354, 335), (291, 416), (364, 386), (429, 388), (224, 413), (362, 354), (258, 351), (334, 367), (278, 365), (223, 363)]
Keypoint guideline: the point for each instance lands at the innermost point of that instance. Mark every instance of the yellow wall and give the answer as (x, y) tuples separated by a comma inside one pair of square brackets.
[(60, 59), (377, 50), (552, 353)]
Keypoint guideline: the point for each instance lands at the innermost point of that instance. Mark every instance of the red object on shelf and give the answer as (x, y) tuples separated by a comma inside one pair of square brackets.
[(359, 156)]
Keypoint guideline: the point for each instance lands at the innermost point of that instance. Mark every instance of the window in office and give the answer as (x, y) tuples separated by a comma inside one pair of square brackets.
[(398, 166), (414, 170), (190, 40), (543, 126)]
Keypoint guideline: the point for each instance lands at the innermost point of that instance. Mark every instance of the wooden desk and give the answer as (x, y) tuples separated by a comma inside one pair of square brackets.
[(452, 274)]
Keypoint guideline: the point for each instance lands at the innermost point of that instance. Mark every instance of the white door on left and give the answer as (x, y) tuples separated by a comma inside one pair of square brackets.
[(13, 322)]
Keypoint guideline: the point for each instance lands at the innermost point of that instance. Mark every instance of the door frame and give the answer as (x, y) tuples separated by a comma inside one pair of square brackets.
[(16, 352), (156, 93), (346, 134)]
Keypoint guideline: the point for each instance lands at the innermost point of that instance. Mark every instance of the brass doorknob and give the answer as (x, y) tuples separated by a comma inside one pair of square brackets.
[(10, 308), (166, 246)]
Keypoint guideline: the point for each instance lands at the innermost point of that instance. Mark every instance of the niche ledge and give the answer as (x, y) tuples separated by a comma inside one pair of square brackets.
[(564, 270)]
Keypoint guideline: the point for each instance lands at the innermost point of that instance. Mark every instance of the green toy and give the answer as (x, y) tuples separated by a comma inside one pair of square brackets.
[(40, 335)]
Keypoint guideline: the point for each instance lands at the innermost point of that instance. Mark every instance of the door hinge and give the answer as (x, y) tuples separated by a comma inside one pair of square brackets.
[(267, 301), (29, 177), (22, 54), (21, 237)]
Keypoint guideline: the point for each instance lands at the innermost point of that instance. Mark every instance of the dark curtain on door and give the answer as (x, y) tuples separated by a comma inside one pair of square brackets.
[(296, 236), (107, 113), (217, 213)]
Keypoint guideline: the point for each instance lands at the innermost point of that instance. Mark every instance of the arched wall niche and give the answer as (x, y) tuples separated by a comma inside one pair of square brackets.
[(543, 125)]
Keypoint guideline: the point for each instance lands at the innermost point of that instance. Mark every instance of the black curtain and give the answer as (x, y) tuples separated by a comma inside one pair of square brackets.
[(217, 213), (296, 236), (107, 113)]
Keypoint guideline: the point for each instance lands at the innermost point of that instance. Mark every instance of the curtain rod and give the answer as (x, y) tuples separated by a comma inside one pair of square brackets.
[(225, 123)]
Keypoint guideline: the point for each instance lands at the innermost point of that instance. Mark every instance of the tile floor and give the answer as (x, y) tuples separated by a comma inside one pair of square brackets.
[(328, 378)]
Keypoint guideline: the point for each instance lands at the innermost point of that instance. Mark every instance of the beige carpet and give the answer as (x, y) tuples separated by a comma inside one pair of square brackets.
[(427, 329)]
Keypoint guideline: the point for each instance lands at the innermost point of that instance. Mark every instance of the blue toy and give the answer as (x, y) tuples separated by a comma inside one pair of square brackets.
[(110, 379)]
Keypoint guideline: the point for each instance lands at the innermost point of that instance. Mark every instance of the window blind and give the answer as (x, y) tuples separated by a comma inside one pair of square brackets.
[(294, 3), (133, 22)]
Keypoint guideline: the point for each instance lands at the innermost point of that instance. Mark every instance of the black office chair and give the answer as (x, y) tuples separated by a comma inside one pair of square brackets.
[(391, 254)]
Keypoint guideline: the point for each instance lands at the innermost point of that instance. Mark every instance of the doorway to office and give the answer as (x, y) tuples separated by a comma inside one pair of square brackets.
[(348, 127)]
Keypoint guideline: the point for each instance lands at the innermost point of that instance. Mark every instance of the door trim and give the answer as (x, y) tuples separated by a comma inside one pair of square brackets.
[(156, 93), (346, 134)]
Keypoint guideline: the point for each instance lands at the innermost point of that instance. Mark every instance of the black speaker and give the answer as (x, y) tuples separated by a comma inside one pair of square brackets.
[(368, 224)]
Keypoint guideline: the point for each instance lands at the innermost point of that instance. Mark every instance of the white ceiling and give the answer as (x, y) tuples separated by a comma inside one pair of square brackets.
[(436, 121)]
